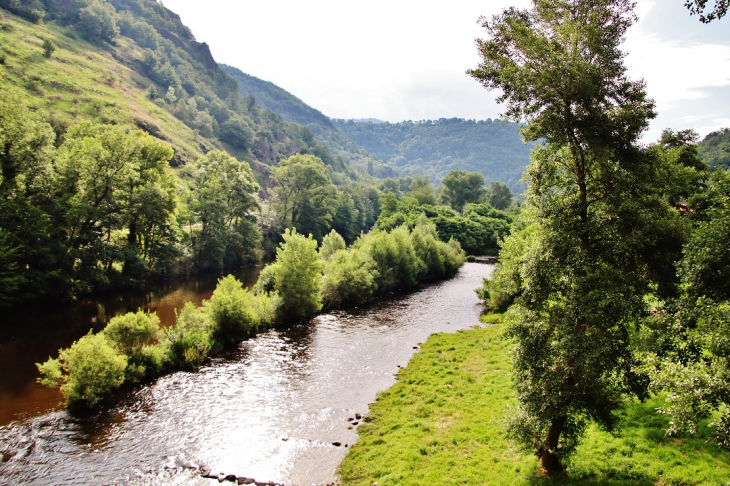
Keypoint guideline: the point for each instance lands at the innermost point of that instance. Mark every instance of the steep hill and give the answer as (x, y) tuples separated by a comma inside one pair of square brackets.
[(714, 150), (133, 62), (492, 147), (292, 109)]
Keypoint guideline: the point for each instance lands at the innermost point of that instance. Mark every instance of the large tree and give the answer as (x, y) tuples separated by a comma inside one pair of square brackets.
[(305, 197), (593, 196), (460, 187)]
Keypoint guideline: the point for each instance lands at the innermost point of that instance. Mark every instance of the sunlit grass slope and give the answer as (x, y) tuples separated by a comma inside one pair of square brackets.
[(442, 423), (81, 81)]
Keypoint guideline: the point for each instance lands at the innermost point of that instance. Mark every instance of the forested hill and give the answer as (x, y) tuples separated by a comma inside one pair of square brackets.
[(490, 147), (132, 62), (714, 150), (292, 109)]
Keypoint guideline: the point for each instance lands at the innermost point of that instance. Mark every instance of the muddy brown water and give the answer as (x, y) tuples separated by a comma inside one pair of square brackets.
[(272, 409)]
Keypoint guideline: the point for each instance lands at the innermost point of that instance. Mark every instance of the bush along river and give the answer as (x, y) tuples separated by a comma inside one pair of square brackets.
[(282, 407)]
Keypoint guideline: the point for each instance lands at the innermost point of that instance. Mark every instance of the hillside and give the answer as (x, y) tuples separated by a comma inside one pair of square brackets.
[(490, 147), (292, 109), (714, 149), (133, 62)]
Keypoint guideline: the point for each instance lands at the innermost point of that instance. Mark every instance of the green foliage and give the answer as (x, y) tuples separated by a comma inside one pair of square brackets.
[(478, 231), (133, 334), (305, 196), (48, 48), (232, 312), (112, 178), (714, 150), (220, 194), (86, 372), (685, 345), (330, 244), (434, 147), (298, 276), (349, 278), (189, 340), (498, 195), (98, 21), (394, 256), (461, 187), (421, 190), (132, 331), (500, 291), (595, 199), (697, 7)]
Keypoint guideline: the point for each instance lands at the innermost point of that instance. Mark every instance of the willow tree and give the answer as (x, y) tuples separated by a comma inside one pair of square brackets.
[(593, 197)]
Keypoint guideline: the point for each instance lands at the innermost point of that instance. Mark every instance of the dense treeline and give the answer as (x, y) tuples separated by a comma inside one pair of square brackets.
[(302, 280), (103, 209), (433, 148)]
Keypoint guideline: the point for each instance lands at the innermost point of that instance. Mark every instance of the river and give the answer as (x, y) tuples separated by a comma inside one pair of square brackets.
[(281, 407)]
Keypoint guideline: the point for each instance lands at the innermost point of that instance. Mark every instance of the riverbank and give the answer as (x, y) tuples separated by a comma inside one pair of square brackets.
[(441, 423)]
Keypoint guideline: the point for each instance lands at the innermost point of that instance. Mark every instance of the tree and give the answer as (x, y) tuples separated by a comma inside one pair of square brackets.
[(98, 21), (305, 196), (697, 7), (222, 202), (686, 352), (113, 178), (498, 195), (298, 276), (29, 247), (591, 196), (48, 48), (461, 187), (421, 189)]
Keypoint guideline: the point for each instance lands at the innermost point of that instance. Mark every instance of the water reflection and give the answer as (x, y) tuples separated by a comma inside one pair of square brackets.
[(33, 334), (271, 409)]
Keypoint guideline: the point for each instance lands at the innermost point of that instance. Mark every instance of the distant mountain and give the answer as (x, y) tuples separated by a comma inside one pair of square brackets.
[(292, 109), (714, 150), (433, 148)]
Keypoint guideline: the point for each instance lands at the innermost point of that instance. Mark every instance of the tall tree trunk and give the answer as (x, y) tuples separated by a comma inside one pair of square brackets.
[(548, 459)]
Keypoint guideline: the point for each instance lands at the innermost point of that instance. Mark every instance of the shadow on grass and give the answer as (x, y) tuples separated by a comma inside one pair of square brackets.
[(640, 453)]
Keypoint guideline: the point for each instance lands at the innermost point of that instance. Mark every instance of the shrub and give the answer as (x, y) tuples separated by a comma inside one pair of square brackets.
[(428, 250), (298, 276), (396, 259), (232, 312), (189, 341), (48, 48), (132, 334), (330, 244), (86, 372), (349, 278)]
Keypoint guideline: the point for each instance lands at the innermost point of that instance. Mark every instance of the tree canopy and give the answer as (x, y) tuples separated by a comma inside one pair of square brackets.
[(594, 198)]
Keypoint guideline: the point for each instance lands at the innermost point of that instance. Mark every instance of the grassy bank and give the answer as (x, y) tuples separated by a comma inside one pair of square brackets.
[(442, 424)]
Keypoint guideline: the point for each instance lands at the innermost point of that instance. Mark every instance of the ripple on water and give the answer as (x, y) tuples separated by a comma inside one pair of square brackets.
[(270, 410)]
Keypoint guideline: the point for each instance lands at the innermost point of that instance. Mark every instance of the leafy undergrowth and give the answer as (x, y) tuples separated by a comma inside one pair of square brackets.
[(442, 424)]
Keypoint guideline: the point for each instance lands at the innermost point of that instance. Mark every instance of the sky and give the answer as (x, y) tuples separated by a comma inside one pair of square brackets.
[(398, 60)]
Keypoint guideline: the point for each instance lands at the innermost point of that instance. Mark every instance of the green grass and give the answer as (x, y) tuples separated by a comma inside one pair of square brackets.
[(492, 317), (442, 424)]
